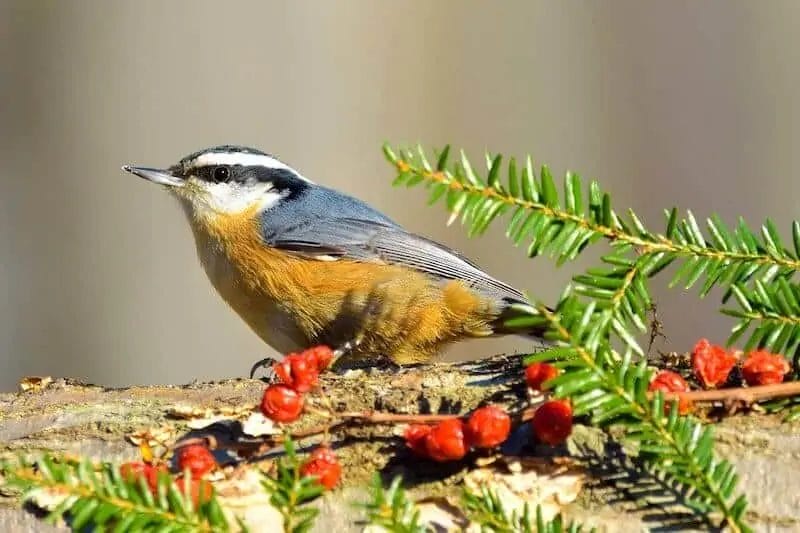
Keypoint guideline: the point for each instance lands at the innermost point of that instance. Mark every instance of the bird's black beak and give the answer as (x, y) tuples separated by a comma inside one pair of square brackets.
[(162, 177)]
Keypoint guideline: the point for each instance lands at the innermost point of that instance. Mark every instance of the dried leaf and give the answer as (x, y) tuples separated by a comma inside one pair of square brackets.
[(550, 483), (257, 424), (441, 514), (243, 496)]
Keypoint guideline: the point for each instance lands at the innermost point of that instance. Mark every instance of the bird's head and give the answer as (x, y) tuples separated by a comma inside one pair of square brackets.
[(227, 180)]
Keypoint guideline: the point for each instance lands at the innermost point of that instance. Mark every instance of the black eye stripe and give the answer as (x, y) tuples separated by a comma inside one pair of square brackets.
[(215, 173), (281, 179)]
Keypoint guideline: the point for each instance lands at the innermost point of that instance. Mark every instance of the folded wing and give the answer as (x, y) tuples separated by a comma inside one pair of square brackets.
[(379, 241)]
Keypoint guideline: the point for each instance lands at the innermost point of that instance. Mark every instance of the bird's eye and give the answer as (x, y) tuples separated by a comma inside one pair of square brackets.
[(221, 174)]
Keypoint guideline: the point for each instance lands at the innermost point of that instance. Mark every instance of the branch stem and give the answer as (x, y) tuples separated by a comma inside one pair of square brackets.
[(654, 244), (747, 395)]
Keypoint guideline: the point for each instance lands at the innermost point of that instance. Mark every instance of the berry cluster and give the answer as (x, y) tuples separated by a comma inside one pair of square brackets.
[(537, 373), (489, 427), (451, 439), (298, 374), (669, 381), (552, 421), (195, 459), (712, 365), (323, 465), (764, 368)]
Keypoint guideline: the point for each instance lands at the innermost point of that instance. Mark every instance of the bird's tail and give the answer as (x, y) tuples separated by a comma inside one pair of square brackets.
[(520, 318)]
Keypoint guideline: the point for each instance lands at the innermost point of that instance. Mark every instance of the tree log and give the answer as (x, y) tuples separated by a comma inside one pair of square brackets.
[(67, 416)]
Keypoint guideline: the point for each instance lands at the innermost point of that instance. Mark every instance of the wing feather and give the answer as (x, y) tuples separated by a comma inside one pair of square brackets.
[(373, 240)]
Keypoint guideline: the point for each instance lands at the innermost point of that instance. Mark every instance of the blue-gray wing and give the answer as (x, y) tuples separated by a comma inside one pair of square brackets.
[(321, 223), (368, 240)]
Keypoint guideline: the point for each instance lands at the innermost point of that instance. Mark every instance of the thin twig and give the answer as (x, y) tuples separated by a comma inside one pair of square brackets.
[(747, 395), (339, 421), (377, 417)]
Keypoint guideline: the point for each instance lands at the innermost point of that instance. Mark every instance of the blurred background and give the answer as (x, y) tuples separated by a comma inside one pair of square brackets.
[(680, 103)]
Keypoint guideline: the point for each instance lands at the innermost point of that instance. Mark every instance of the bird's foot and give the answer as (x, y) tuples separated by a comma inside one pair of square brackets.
[(267, 364), (344, 357), (341, 362)]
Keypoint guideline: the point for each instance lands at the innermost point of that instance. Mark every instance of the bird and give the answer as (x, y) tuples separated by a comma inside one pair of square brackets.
[(303, 264)]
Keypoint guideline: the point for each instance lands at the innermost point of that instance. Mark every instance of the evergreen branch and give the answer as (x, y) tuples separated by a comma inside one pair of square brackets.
[(102, 498), (290, 490), (774, 309), (603, 302), (486, 509), (598, 305), (616, 393), (564, 224), (479, 203), (392, 509), (619, 296)]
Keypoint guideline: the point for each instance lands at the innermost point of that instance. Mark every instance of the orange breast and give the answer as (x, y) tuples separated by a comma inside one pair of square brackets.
[(292, 302)]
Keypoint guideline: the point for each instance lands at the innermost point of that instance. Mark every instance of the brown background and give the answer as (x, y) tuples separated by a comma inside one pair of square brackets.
[(686, 103)]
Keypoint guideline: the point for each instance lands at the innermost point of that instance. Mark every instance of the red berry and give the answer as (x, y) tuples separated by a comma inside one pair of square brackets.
[(488, 427), (415, 436), (668, 381), (711, 363), (446, 441), (764, 368), (323, 465), (134, 470), (552, 422), (321, 356), (537, 373), (199, 490), (197, 458), (298, 372), (281, 403)]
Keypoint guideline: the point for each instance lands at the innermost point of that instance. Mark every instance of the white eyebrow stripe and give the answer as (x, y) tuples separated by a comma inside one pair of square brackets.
[(244, 159)]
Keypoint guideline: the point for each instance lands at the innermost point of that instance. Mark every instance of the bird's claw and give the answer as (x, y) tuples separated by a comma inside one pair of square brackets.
[(266, 363)]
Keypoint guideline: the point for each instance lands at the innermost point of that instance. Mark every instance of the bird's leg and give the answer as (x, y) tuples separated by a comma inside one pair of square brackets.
[(342, 360), (344, 348), (339, 353)]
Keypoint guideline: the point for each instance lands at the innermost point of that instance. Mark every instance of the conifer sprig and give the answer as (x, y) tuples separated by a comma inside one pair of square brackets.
[(563, 224), (393, 510), (485, 508), (98, 497), (773, 311), (290, 490), (605, 303), (615, 392)]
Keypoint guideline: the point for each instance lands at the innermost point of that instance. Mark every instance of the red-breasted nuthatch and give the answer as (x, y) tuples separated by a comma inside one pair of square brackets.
[(303, 264)]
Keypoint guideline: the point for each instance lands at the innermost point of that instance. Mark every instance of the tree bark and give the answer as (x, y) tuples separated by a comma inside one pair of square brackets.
[(71, 417)]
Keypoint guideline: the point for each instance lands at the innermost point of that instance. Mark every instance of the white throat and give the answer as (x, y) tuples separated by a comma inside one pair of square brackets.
[(228, 199)]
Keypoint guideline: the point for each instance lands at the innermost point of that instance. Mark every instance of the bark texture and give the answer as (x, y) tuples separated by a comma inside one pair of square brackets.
[(67, 416)]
